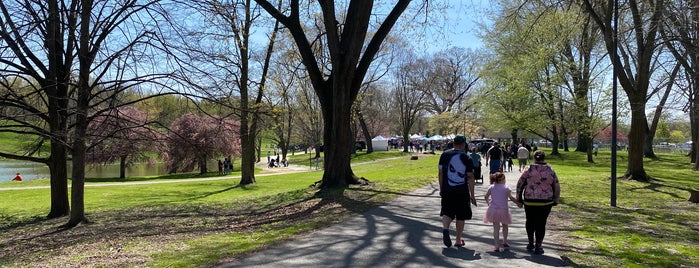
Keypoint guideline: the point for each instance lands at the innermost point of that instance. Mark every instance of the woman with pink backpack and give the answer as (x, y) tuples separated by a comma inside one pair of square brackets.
[(538, 189)]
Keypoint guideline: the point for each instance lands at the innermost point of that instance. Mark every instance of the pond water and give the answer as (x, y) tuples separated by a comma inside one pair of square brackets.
[(31, 170)]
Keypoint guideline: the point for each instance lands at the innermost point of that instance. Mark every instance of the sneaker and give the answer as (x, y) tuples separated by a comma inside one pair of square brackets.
[(530, 247), (496, 249), (539, 251), (445, 238), (458, 245), (505, 245)]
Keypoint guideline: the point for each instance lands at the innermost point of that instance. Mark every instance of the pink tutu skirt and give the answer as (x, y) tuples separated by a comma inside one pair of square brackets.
[(501, 215)]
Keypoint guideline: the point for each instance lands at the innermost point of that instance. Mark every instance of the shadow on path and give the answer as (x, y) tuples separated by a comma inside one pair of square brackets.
[(406, 233)]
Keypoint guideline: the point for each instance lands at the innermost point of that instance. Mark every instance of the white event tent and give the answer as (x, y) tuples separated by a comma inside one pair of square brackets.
[(379, 143)]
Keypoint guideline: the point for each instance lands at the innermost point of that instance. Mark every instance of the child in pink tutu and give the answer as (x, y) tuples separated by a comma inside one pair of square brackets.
[(498, 212)]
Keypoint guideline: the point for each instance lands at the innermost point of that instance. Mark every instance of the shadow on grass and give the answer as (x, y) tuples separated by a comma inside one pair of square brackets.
[(178, 176), (205, 195), (159, 225), (657, 187), (9, 222)]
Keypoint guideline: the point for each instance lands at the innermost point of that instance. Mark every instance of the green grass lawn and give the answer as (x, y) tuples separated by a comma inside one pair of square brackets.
[(201, 222), (653, 224)]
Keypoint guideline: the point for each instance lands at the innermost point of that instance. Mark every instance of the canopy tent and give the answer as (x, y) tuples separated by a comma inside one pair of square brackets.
[(379, 143), (436, 138)]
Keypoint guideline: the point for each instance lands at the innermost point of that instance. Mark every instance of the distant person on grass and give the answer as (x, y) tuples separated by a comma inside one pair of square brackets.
[(498, 212), (538, 189), (18, 177), (456, 183)]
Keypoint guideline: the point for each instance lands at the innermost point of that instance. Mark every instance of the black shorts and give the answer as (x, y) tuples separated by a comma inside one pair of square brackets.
[(456, 206)]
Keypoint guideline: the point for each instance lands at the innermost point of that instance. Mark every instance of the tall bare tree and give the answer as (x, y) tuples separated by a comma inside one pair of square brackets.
[(453, 74), (680, 31), (222, 50), (114, 42), (37, 54), (337, 89), (96, 51), (635, 50), (408, 94)]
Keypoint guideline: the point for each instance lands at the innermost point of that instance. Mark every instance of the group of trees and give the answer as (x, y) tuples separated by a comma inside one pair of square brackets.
[(213, 77), (553, 61), (69, 72), (70, 69), (64, 63)]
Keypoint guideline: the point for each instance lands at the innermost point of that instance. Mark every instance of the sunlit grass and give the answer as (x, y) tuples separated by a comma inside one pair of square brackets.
[(652, 225)]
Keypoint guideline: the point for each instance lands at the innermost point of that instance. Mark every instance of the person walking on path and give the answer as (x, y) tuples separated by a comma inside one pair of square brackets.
[(538, 189), (456, 187), (522, 156), (498, 212), (494, 158), (476, 158)]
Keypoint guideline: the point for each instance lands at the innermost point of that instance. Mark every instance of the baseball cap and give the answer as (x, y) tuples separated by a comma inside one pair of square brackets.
[(459, 139)]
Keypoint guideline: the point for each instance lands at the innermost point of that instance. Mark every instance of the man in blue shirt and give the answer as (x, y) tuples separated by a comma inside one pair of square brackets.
[(494, 158)]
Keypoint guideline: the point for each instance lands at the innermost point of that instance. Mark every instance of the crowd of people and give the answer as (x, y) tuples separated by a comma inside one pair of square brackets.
[(537, 191)]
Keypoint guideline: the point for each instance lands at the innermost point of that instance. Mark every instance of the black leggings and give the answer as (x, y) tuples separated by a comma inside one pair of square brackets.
[(536, 222)]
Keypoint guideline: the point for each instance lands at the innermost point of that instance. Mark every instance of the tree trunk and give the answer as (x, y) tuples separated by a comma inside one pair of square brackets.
[(585, 145), (554, 141), (247, 165), (77, 193), (513, 134), (337, 138), (648, 144), (59, 181), (247, 133), (82, 105), (694, 196), (635, 170), (56, 88), (122, 167), (694, 122), (202, 166), (406, 141), (365, 132)]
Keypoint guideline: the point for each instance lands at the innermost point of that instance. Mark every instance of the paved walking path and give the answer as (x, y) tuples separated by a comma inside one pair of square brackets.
[(407, 233)]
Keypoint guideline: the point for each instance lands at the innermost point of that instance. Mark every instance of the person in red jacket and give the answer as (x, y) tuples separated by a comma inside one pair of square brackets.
[(17, 178)]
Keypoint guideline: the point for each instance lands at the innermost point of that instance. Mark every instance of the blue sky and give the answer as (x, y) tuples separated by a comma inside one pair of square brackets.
[(461, 26), (466, 15)]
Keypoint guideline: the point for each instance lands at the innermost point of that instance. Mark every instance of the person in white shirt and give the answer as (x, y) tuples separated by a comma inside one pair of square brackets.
[(522, 157)]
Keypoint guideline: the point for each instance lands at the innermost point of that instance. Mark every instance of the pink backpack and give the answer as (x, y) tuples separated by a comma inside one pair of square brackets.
[(538, 184)]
